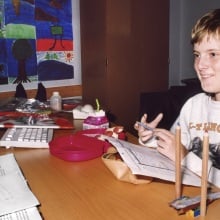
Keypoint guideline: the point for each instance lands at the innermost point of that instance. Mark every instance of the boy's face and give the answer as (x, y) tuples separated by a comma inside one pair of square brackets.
[(207, 64)]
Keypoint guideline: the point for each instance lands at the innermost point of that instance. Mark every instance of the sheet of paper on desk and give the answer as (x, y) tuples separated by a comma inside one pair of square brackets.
[(9, 165), (15, 194), (148, 162), (31, 213)]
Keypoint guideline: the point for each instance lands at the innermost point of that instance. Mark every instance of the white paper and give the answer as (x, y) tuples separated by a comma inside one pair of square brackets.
[(9, 165), (149, 162), (27, 214), (15, 194)]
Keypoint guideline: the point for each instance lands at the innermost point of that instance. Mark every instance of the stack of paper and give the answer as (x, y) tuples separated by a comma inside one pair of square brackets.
[(17, 202)]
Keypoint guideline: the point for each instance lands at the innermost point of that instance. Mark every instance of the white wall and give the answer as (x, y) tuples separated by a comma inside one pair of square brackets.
[(183, 15), (77, 42)]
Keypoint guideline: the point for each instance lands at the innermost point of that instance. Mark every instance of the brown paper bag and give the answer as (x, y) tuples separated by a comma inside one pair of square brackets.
[(120, 169)]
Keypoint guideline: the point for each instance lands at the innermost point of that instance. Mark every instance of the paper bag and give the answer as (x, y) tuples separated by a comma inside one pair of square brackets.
[(120, 169)]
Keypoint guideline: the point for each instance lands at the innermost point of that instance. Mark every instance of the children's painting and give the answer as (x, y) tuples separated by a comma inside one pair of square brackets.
[(36, 42)]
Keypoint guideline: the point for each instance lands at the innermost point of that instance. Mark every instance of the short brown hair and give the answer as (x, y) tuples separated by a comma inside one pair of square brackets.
[(207, 24)]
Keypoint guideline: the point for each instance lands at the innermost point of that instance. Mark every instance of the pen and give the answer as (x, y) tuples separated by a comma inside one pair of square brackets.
[(145, 126)]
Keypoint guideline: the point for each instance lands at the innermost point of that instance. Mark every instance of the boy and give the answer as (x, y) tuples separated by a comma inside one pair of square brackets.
[(202, 111)]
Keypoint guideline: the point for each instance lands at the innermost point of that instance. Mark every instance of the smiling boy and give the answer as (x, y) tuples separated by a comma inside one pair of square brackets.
[(201, 112)]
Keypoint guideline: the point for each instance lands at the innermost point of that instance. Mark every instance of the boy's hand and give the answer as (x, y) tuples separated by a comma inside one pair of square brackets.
[(143, 133)]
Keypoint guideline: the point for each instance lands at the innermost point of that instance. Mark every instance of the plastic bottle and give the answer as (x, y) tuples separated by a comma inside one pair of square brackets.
[(56, 101)]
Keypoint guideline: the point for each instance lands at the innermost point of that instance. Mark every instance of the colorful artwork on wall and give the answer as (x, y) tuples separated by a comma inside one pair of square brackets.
[(36, 41)]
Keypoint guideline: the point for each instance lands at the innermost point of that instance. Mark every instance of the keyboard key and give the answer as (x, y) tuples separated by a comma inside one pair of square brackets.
[(27, 137)]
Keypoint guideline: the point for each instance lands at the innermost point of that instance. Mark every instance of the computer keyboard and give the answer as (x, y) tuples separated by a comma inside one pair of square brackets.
[(27, 137)]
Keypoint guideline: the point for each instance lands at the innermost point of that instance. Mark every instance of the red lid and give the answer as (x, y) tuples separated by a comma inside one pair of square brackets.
[(78, 147)]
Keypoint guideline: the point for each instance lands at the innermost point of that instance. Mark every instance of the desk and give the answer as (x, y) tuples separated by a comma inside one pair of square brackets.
[(88, 190)]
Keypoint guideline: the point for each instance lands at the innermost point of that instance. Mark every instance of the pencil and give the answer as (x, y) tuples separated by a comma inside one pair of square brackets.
[(204, 177), (144, 126), (178, 162)]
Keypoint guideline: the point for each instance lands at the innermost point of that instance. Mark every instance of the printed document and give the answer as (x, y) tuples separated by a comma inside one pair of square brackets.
[(16, 198), (26, 214), (149, 162)]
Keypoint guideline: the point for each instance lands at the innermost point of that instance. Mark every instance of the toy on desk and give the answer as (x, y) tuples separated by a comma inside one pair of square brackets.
[(185, 203), (97, 119), (193, 212), (199, 203)]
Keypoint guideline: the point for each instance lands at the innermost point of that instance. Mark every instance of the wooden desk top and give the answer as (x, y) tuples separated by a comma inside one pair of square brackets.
[(88, 190)]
